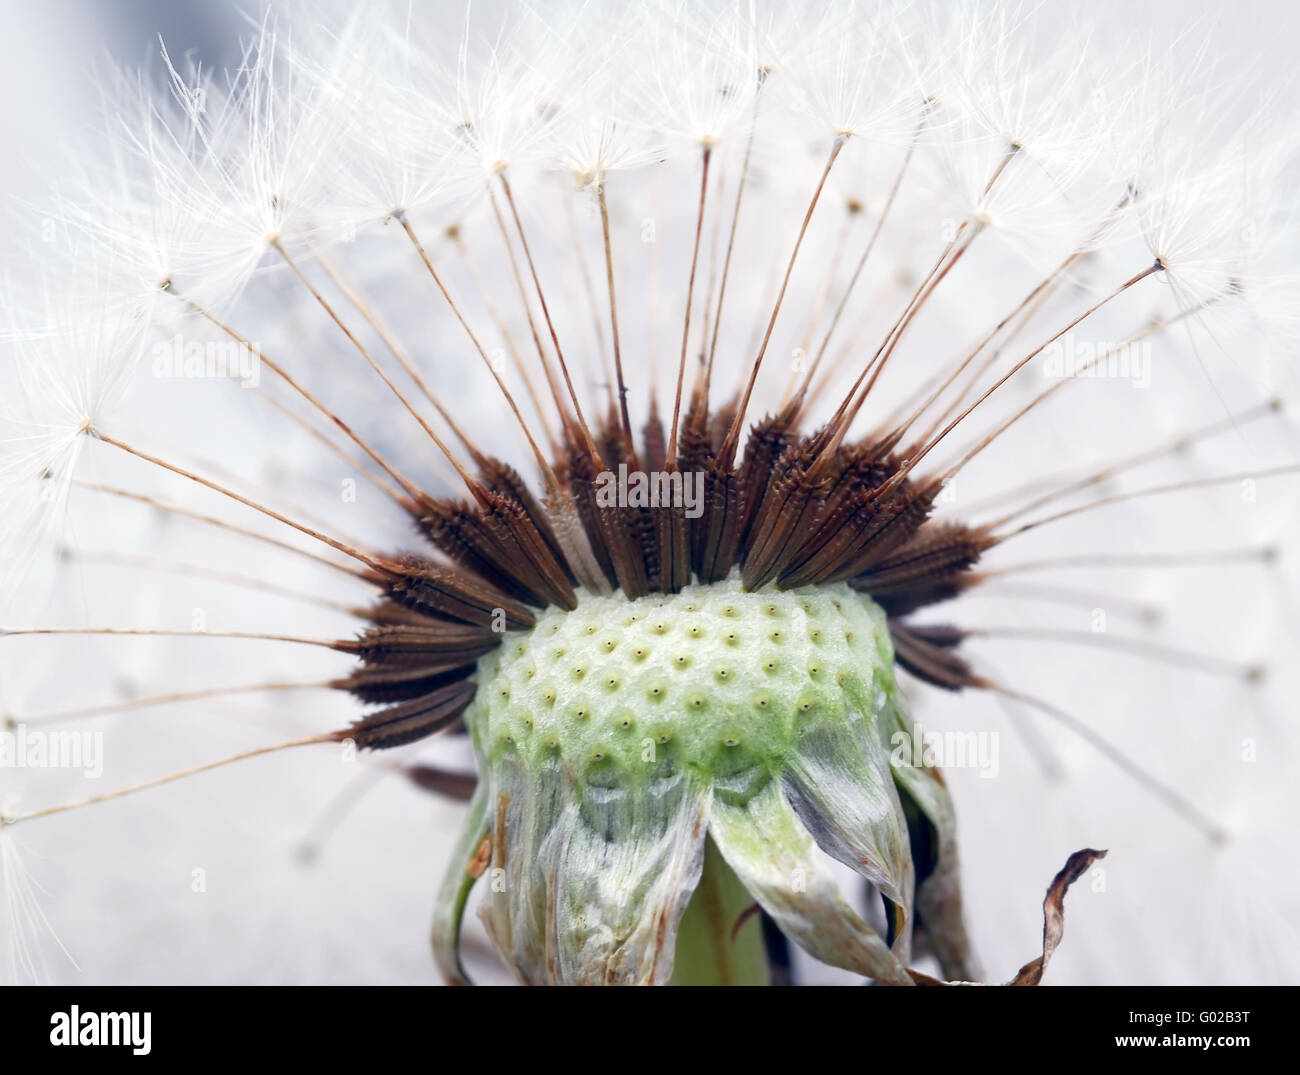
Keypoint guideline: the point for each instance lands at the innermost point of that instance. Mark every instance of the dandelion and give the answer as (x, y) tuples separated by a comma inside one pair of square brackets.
[(646, 400)]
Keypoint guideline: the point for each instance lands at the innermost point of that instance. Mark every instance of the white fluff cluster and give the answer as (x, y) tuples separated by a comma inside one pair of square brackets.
[(982, 148)]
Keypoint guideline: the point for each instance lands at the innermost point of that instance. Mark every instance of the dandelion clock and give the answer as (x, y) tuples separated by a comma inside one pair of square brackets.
[(667, 493)]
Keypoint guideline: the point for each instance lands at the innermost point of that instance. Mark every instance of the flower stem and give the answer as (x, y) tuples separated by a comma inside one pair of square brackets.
[(711, 948)]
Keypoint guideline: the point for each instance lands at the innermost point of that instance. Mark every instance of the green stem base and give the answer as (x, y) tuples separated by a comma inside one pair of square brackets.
[(710, 949)]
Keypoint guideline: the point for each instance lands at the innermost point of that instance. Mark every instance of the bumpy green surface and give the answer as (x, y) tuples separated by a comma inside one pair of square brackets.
[(712, 679)]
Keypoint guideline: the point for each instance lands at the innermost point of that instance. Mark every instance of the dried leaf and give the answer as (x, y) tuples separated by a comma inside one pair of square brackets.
[(1053, 922), (1054, 914)]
